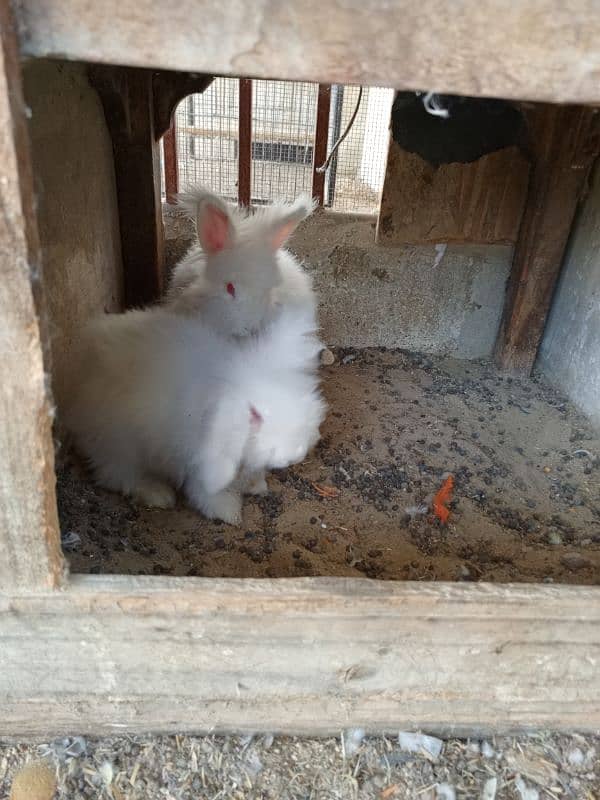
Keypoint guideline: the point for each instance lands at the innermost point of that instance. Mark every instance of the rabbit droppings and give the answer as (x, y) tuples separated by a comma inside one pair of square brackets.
[(240, 276), (161, 402)]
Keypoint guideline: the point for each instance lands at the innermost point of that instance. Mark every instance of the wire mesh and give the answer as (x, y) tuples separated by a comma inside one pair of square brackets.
[(284, 115), (355, 176), (206, 128), (283, 142)]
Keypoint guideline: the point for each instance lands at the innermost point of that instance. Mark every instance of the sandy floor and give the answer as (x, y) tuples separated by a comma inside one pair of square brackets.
[(526, 502), (539, 767)]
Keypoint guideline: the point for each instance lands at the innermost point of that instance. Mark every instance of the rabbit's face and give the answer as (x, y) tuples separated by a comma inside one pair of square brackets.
[(239, 300), (241, 315), (242, 272)]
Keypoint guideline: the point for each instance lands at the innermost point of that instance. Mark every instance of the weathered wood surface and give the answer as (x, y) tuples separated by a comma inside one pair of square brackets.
[(480, 202), (245, 143), (169, 89), (565, 142), (540, 50), (30, 555), (128, 98), (321, 142), (170, 162), (310, 655)]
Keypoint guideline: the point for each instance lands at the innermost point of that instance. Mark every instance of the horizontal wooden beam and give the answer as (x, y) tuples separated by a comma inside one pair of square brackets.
[(539, 50), (312, 656)]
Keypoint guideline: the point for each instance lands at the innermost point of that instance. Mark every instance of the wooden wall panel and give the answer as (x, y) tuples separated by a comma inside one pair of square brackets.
[(30, 554), (480, 203)]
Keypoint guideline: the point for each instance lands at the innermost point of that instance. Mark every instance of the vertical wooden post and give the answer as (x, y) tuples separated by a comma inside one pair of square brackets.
[(565, 142), (30, 553), (245, 143), (335, 128), (128, 99), (170, 160), (321, 140)]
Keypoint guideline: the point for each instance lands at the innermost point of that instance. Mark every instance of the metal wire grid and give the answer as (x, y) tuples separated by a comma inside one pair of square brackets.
[(284, 116), (283, 140), (206, 127), (354, 179)]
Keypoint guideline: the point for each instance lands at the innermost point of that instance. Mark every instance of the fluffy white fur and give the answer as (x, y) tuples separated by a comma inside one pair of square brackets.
[(241, 249), (162, 402)]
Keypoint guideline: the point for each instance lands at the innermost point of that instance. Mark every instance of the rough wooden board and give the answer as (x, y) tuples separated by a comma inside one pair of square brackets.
[(170, 162), (321, 142), (245, 143), (306, 655), (169, 89), (128, 99), (566, 143), (540, 50), (479, 203), (30, 554)]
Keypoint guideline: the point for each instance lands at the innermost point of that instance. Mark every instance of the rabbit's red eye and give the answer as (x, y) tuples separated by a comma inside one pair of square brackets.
[(230, 289)]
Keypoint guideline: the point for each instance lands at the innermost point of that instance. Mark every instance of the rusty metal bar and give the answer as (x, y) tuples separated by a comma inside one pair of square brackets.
[(321, 137), (245, 143), (170, 157)]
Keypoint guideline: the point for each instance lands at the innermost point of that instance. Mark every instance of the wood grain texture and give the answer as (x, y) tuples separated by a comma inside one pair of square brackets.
[(566, 143), (170, 161), (127, 96), (169, 89), (299, 656), (245, 144), (30, 554), (540, 50), (321, 142), (479, 202)]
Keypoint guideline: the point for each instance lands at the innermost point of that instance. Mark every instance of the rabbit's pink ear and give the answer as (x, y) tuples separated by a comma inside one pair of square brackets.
[(256, 419), (214, 227), (287, 223)]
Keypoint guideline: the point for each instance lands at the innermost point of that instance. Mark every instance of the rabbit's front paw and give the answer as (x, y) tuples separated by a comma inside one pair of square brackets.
[(258, 485), (226, 506), (154, 494)]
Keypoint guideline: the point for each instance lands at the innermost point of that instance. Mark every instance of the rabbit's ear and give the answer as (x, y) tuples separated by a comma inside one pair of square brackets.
[(227, 431), (286, 223), (213, 222)]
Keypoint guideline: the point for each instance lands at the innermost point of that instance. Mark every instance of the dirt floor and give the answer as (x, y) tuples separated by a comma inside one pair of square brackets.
[(526, 502), (539, 767)]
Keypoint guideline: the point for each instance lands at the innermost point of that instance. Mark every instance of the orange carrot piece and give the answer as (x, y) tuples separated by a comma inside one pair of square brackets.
[(326, 491), (441, 500)]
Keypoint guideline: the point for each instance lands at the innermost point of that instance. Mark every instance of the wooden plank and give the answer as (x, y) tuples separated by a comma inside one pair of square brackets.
[(321, 141), (459, 178), (566, 142), (169, 89), (128, 99), (245, 143), (30, 554), (171, 169), (298, 656), (536, 50), (479, 203)]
